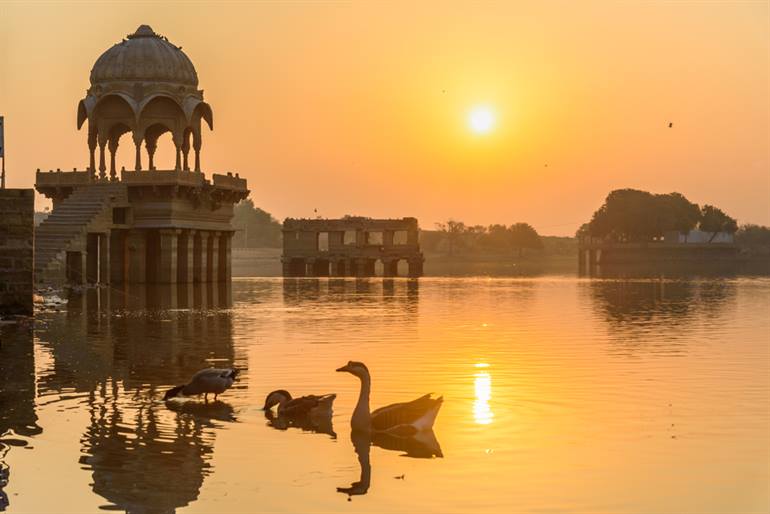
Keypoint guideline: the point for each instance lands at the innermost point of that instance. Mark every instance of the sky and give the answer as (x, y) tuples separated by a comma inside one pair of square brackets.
[(363, 108)]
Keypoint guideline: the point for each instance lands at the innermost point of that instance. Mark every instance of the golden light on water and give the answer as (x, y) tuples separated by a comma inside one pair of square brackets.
[(482, 384)]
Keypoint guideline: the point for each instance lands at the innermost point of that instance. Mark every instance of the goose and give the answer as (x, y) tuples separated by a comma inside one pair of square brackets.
[(304, 406), (403, 418), (210, 380)]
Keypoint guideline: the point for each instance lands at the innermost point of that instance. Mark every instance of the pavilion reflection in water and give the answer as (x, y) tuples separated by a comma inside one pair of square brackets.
[(631, 307), (123, 348), (387, 291)]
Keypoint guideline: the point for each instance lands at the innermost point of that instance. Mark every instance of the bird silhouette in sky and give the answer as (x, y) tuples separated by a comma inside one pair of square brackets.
[(670, 124)]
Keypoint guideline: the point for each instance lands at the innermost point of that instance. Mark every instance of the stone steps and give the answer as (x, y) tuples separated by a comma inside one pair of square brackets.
[(68, 223)]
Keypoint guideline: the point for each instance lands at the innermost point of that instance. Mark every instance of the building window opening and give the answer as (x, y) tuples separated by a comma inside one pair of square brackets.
[(323, 241), (374, 238)]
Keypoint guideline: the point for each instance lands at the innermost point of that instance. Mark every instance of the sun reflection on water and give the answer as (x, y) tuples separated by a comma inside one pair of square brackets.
[(482, 384)]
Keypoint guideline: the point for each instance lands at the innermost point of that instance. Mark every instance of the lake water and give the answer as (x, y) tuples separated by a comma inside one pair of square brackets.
[(562, 394)]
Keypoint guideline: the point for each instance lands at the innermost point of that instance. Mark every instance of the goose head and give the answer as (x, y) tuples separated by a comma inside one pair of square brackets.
[(276, 398), (173, 393), (358, 369)]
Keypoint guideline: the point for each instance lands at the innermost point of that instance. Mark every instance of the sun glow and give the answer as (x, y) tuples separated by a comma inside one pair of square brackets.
[(481, 120)]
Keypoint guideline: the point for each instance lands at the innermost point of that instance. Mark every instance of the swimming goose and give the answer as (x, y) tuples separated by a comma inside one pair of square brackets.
[(403, 418), (210, 380), (301, 407)]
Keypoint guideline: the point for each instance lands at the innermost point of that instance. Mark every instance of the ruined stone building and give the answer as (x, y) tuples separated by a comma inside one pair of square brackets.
[(143, 225), (350, 247)]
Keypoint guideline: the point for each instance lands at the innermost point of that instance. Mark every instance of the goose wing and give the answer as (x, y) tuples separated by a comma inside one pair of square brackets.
[(303, 405), (210, 380), (404, 414)]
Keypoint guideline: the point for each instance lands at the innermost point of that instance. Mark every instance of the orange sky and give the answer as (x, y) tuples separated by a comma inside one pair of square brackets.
[(360, 108)]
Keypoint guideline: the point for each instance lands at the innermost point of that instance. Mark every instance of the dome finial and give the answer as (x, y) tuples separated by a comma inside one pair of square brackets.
[(143, 31)]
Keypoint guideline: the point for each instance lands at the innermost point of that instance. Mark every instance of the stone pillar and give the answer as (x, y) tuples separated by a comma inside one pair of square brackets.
[(178, 148), (213, 259), (389, 267), (151, 144), (92, 150), (17, 211), (415, 267), (286, 267), (138, 158), (387, 238), (113, 147), (118, 257), (204, 256), (104, 258), (92, 258), (137, 256), (412, 237), (361, 265), (186, 152), (225, 257), (76, 267), (168, 257), (197, 148), (182, 256), (189, 276), (102, 165), (198, 259), (310, 268), (338, 268)]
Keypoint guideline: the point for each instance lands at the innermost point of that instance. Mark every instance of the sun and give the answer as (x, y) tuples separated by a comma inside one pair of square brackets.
[(481, 119)]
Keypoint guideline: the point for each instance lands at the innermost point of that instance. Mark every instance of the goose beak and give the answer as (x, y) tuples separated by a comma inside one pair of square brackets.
[(343, 368)]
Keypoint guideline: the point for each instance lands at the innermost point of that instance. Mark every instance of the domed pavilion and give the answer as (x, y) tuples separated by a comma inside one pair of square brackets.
[(145, 86), (142, 225)]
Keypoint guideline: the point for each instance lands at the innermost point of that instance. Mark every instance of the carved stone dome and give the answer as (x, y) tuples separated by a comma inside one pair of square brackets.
[(144, 86), (144, 56)]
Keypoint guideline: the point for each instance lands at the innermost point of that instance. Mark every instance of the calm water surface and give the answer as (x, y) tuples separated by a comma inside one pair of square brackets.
[(561, 394)]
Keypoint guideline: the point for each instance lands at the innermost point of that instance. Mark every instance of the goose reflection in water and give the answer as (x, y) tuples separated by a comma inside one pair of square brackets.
[(311, 413), (203, 411), (422, 445), (319, 425)]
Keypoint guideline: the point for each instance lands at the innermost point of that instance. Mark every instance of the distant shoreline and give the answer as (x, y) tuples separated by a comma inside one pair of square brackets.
[(266, 262)]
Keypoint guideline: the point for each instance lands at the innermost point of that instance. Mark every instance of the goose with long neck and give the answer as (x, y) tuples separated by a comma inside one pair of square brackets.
[(405, 418)]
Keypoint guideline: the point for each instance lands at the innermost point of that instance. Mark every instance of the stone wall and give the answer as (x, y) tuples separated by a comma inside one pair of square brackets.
[(17, 213)]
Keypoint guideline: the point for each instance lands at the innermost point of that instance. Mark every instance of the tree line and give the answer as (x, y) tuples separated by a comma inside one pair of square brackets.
[(453, 237), (631, 215), (254, 228)]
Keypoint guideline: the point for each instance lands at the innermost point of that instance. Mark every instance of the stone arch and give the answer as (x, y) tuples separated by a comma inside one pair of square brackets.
[(203, 111), (82, 113), (111, 112), (150, 135), (114, 133), (165, 110)]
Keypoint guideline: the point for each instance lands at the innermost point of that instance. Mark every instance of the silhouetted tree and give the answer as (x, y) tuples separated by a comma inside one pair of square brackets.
[(453, 230), (714, 220), (523, 236), (254, 227), (753, 235), (633, 215)]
